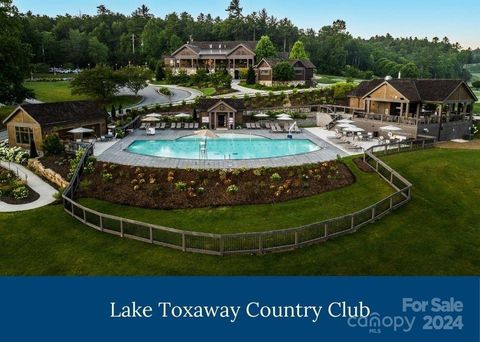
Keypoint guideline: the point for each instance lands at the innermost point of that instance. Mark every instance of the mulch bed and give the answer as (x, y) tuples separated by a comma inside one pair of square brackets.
[(58, 163), (362, 165), (32, 197), (183, 188)]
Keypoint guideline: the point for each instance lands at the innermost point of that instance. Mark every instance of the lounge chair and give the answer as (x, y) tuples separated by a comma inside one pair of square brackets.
[(279, 129), (257, 125), (273, 129), (163, 125), (267, 125), (249, 125), (192, 125), (157, 125), (195, 125), (143, 126), (174, 125)]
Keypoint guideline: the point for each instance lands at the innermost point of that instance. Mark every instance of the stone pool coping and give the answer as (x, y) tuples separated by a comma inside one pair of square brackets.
[(117, 153)]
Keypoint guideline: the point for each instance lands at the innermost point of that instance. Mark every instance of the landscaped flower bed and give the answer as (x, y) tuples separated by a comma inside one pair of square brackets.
[(183, 188), (13, 190)]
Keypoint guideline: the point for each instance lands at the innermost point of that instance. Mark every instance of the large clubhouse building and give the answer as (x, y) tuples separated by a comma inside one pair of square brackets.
[(229, 55), (234, 56)]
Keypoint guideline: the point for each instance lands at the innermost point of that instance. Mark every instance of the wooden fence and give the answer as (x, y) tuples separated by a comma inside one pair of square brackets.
[(257, 242)]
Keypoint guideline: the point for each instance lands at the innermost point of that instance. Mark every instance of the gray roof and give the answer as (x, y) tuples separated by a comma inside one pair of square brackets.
[(414, 90), (222, 48), (274, 61), (63, 113)]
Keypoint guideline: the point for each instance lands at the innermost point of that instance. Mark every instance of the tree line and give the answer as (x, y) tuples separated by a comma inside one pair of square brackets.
[(140, 38)]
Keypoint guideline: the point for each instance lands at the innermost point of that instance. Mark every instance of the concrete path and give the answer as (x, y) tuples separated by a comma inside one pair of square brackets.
[(3, 135), (45, 191)]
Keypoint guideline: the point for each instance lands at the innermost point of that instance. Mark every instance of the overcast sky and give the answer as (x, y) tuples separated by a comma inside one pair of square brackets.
[(457, 20)]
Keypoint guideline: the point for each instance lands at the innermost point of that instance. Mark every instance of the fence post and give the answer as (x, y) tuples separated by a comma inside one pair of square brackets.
[(391, 203), (353, 222), (84, 216), (260, 243), (121, 228), (326, 230), (423, 144), (184, 245), (151, 234), (296, 239), (101, 223), (373, 212), (222, 245)]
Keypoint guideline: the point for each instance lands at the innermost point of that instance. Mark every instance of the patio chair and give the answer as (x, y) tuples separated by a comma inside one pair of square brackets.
[(180, 125), (195, 126), (279, 128), (249, 125), (174, 125), (267, 125), (273, 129), (257, 125), (157, 125), (163, 125)]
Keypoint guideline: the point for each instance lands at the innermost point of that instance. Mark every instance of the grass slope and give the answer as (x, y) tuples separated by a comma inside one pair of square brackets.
[(437, 233)]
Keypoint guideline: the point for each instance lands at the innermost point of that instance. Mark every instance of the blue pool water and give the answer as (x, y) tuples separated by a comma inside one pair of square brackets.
[(227, 146)]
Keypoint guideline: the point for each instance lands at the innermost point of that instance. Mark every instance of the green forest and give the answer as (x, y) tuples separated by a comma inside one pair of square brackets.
[(141, 38)]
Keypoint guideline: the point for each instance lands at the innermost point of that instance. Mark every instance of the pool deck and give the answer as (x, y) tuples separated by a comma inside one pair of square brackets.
[(118, 154)]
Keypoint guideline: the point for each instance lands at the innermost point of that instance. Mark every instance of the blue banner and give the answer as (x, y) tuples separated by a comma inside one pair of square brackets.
[(240, 309)]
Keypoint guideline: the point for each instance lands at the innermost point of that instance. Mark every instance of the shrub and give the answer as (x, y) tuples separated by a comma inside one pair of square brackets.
[(20, 193), (13, 154), (200, 190), (180, 186), (275, 177), (232, 189), (106, 176), (52, 145)]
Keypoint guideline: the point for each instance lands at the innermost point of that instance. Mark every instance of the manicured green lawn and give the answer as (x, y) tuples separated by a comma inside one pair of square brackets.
[(53, 91), (61, 91), (368, 189), (435, 234)]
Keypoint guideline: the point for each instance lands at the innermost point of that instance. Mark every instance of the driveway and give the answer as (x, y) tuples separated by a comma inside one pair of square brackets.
[(152, 97)]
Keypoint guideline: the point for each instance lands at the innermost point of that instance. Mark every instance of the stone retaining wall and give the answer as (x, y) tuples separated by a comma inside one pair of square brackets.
[(36, 166)]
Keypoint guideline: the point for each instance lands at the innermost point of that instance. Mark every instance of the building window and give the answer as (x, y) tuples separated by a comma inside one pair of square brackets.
[(298, 71), (23, 135), (264, 72)]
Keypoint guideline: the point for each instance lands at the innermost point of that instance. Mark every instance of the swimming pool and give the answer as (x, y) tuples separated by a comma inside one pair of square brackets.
[(227, 146)]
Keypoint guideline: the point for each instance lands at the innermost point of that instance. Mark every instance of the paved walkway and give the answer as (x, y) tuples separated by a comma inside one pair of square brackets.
[(118, 153), (45, 191)]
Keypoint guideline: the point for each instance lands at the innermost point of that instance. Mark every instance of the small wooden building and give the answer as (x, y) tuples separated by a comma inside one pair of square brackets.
[(304, 71), (221, 113), (35, 121)]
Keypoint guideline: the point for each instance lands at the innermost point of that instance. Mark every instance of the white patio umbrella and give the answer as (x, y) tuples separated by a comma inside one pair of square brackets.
[(206, 133), (345, 121), (345, 125), (150, 119), (285, 115), (354, 129), (261, 115), (183, 115), (80, 130), (284, 118), (390, 128), (154, 115)]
